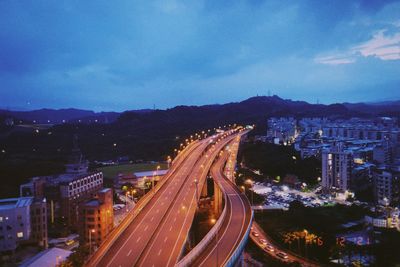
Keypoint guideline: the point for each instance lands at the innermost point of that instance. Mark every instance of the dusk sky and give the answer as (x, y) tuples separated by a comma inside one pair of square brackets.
[(120, 55)]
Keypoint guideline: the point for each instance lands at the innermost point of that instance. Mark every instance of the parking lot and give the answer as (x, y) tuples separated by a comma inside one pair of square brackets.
[(280, 196)]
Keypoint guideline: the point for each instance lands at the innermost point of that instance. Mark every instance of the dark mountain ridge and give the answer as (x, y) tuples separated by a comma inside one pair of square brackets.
[(140, 135)]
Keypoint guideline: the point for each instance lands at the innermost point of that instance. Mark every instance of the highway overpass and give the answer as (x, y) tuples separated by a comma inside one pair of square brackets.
[(225, 242), (155, 232)]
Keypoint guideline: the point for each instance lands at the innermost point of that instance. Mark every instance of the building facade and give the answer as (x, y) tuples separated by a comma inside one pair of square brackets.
[(38, 213), (336, 168), (386, 186), (282, 130), (97, 218), (75, 191)]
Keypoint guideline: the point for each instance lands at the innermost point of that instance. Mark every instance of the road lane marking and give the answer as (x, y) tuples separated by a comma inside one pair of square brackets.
[(137, 240), (170, 229), (165, 240), (159, 252), (129, 253), (170, 214), (146, 227), (152, 218), (175, 219)]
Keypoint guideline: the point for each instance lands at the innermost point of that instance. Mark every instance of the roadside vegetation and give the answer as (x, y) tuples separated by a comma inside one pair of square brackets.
[(275, 162), (110, 172)]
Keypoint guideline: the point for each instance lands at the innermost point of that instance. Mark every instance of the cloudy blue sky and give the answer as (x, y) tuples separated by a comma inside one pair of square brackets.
[(118, 55)]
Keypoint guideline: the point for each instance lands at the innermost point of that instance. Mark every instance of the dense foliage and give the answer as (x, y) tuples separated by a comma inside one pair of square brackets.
[(275, 160)]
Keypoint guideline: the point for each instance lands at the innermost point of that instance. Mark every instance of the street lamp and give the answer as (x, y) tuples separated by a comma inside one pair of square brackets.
[(169, 161), (126, 200), (152, 185), (196, 182), (107, 222), (90, 240), (213, 222), (58, 260)]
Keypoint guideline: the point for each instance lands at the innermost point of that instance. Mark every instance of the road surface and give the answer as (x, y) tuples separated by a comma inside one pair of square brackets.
[(155, 237), (235, 225)]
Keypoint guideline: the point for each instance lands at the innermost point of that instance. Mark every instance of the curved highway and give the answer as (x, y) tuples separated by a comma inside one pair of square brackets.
[(157, 234), (235, 225)]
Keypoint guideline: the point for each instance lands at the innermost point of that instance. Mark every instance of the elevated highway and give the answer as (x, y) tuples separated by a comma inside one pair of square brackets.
[(225, 242), (156, 231)]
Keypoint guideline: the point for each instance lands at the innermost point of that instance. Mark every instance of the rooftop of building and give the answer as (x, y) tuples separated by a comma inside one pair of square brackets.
[(150, 173), (92, 203), (105, 190), (66, 178), (363, 166), (49, 257), (12, 203)]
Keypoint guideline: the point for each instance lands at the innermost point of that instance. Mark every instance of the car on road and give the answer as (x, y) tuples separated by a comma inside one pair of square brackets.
[(269, 248), (255, 233), (263, 241), (282, 255)]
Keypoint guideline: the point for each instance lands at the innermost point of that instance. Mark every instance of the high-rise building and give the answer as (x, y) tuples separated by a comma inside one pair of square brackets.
[(75, 191), (386, 186), (383, 153), (15, 223), (97, 218), (336, 168), (38, 213), (282, 130), (65, 192), (22, 220), (34, 188)]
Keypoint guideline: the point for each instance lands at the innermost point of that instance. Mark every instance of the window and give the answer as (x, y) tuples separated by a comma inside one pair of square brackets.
[(1, 218), (20, 234)]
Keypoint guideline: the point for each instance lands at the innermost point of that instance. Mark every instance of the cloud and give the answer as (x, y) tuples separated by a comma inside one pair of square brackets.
[(381, 46), (171, 52), (335, 60)]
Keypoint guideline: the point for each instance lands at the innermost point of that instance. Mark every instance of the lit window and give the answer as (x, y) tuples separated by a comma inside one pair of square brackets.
[(1, 218), (20, 234)]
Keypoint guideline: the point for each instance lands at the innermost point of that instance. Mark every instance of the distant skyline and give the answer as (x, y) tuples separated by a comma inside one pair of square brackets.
[(101, 56), (155, 107)]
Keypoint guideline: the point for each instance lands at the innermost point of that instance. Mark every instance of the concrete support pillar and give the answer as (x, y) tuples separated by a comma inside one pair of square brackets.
[(204, 190), (217, 199)]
